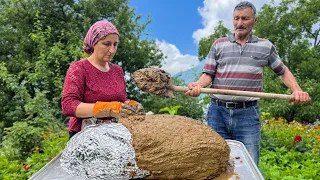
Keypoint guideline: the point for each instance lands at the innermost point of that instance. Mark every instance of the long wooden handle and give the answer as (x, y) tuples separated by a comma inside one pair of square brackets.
[(235, 93)]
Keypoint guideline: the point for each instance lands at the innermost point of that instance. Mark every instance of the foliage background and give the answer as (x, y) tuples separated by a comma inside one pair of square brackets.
[(39, 39)]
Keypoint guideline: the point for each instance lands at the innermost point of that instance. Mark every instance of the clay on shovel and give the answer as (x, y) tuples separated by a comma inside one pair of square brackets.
[(154, 81)]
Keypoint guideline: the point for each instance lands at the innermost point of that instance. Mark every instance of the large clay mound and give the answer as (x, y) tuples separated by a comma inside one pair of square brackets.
[(176, 147)]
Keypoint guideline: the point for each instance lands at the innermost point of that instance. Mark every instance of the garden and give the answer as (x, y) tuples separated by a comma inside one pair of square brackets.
[(289, 151), (39, 40)]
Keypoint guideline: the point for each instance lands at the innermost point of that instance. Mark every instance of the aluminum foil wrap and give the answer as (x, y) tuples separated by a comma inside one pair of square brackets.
[(102, 151)]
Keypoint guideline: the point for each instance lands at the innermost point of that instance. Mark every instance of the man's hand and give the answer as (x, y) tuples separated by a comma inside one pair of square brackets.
[(300, 97), (194, 89), (204, 81)]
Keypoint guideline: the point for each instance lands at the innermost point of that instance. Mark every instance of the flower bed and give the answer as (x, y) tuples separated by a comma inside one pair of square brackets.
[(289, 150)]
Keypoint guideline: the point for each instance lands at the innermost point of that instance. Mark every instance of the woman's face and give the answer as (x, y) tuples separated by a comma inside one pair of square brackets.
[(106, 48)]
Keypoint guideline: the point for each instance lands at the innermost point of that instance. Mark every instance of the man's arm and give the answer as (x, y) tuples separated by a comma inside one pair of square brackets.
[(194, 87), (299, 96)]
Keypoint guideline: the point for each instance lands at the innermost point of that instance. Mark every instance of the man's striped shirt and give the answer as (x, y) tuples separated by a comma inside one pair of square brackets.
[(241, 68)]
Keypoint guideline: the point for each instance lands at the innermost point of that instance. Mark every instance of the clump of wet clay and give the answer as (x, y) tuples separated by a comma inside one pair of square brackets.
[(131, 110), (177, 147), (153, 81)]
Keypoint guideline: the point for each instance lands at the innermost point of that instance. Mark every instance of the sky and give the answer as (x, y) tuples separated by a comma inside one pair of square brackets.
[(178, 25)]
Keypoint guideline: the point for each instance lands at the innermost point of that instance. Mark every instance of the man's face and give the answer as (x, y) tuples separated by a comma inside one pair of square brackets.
[(243, 22)]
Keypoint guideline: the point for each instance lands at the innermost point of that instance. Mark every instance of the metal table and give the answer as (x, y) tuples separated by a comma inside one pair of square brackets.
[(245, 168)]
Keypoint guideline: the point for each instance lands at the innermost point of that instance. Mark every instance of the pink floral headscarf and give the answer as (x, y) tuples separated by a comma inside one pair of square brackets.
[(96, 32)]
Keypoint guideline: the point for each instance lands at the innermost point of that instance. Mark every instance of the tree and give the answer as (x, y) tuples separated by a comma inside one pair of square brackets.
[(38, 41)]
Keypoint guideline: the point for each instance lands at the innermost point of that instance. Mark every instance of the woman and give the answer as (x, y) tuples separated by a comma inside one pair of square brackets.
[(94, 84)]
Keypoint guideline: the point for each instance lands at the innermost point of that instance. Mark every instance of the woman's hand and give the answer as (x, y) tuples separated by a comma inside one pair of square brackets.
[(118, 109)]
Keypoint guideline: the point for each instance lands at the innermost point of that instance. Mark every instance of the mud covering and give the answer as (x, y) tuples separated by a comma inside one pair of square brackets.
[(177, 147), (153, 81), (131, 110), (101, 152)]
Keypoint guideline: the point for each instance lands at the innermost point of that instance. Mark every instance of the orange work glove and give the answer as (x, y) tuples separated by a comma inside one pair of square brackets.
[(132, 102), (117, 109), (107, 109)]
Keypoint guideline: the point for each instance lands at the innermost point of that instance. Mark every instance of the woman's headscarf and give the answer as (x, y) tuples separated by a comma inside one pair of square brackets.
[(96, 32)]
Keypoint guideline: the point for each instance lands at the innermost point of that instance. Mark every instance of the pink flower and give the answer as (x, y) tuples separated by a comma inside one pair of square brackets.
[(297, 139)]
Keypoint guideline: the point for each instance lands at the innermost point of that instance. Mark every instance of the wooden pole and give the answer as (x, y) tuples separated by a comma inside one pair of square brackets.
[(235, 93)]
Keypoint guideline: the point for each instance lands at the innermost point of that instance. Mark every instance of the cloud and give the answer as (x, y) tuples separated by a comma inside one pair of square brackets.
[(212, 12), (175, 61)]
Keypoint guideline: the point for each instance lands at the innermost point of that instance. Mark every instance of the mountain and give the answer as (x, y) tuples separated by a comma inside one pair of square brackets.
[(191, 74)]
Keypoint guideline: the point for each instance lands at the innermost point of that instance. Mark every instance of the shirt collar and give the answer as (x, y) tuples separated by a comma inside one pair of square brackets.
[(253, 39)]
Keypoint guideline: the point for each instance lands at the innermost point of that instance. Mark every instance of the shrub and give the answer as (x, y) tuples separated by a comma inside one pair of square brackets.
[(11, 167), (51, 146), (21, 138)]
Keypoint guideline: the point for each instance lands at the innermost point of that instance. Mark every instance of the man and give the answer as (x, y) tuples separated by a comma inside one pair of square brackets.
[(236, 62)]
